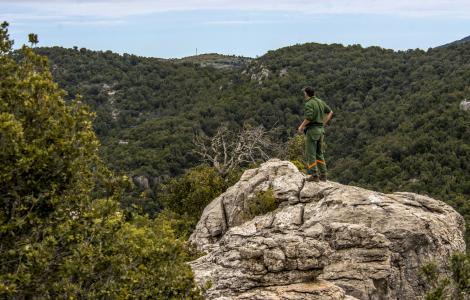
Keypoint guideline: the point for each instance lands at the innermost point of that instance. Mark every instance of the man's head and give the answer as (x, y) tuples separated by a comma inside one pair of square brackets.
[(308, 92)]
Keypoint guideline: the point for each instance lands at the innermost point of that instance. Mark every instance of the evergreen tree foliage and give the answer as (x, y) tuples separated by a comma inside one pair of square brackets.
[(397, 126), (397, 123), (62, 232)]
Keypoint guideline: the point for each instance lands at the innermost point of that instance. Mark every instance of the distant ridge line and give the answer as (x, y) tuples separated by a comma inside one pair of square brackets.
[(461, 41)]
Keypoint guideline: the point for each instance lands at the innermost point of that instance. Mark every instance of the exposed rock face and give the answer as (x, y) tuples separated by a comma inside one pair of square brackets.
[(264, 73), (325, 241), (465, 105), (142, 181), (283, 73)]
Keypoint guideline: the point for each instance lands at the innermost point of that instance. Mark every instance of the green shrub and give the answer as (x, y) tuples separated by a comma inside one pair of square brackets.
[(186, 196), (440, 286), (262, 203), (296, 148), (62, 232)]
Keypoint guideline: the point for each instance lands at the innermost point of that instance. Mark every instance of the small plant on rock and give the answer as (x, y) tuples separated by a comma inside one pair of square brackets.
[(295, 151), (262, 203), (441, 286)]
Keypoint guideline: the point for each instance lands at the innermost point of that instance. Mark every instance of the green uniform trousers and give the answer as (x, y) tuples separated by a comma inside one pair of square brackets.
[(314, 145)]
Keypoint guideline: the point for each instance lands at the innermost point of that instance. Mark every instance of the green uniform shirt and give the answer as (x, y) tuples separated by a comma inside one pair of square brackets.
[(315, 111)]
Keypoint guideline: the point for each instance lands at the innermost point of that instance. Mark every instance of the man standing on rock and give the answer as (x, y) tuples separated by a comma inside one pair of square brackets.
[(317, 115)]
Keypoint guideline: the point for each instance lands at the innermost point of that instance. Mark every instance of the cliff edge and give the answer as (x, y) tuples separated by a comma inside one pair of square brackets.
[(324, 240)]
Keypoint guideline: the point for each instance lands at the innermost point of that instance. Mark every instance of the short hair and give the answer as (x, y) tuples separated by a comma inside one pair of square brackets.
[(309, 90)]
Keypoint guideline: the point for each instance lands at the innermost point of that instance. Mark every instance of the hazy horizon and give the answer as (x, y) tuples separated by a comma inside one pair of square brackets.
[(166, 29)]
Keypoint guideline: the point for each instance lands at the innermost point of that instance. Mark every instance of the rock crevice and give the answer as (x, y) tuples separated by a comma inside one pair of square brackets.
[(325, 241)]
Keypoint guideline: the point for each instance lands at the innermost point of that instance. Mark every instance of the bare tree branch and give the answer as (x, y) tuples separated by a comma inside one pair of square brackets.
[(229, 149)]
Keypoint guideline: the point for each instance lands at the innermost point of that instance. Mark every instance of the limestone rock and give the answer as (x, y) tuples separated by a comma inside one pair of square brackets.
[(264, 73), (283, 73), (324, 241), (465, 105), (142, 182), (316, 290)]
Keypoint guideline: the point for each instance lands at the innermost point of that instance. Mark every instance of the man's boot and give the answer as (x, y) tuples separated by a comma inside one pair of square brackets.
[(323, 177), (313, 178)]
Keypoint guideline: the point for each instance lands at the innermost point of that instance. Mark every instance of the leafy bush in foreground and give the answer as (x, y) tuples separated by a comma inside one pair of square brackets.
[(56, 240)]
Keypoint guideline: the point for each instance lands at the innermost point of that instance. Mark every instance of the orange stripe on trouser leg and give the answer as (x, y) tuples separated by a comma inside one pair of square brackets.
[(321, 162), (312, 165)]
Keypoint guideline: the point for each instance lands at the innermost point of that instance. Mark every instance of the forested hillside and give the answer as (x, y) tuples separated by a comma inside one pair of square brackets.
[(151, 106), (397, 123), (461, 41)]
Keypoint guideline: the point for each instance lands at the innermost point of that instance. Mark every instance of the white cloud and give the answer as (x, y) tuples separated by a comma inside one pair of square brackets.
[(92, 22), (121, 8), (241, 22), (24, 17)]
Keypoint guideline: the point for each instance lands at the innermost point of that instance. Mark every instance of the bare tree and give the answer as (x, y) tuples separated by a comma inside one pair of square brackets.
[(229, 149)]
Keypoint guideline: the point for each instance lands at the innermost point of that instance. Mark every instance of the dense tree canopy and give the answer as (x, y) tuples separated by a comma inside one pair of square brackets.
[(63, 232), (397, 123)]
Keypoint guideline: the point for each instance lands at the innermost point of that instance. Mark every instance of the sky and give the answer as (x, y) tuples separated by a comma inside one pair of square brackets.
[(176, 28)]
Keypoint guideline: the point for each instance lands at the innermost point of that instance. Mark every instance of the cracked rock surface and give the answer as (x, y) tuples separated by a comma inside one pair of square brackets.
[(324, 241)]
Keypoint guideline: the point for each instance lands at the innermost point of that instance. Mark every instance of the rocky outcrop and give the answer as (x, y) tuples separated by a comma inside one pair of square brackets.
[(283, 73), (142, 182), (324, 241), (465, 105)]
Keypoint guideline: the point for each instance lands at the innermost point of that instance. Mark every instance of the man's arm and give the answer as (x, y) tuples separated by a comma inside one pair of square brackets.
[(328, 118), (307, 114), (302, 126)]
